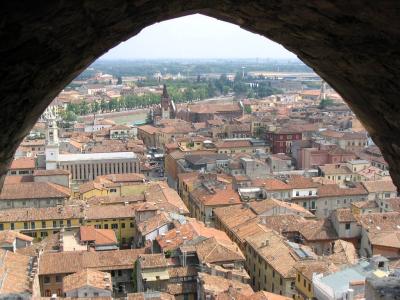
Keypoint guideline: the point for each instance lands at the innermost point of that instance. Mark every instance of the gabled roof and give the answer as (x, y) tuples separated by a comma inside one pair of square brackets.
[(318, 230), (376, 186), (212, 250), (14, 272), (34, 190), (87, 278), (75, 261), (9, 236), (98, 236), (23, 163)]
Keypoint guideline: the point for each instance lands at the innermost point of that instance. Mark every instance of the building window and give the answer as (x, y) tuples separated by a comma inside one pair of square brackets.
[(273, 274), (58, 278), (46, 279), (297, 193), (43, 224), (309, 287), (122, 225), (113, 190), (281, 281), (131, 225), (105, 226), (114, 226), (119, 273), (43, 234), (12, 226), (347, 226), (54, 224), (68, 223), (387, 195), (25, 225), (304, 283), (298, 277), (32, 225), (61, 223), (309, 193)]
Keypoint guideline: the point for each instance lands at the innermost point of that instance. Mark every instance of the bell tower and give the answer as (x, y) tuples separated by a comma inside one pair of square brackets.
[(52, 143)]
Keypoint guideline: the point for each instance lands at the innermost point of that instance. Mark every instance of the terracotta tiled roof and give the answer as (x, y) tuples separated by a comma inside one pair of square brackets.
[(247, 229), (227, 196), (9, 236), (377, 186), (124, 178), (141, 296), (308, 267), (216, 284), (186, 232), (17, 179), (94, 212), (233, 215), (276, 252), (87, 278), (23, 163), (300, 182), (334, 169), (165, 197), (182, 271), (43, 213), (270, 184), (98, 236), (75, 261), (365, 204), (233, 144), (263, 295), (34, 190), (50, 172), (334, 190), (260, 207), (344, 215), (318, 230), (178, 289), (148, 129), (283, 223), (150, 261), (14, 272), (389, 221), (153, 223), (212, 250), (344, 253)]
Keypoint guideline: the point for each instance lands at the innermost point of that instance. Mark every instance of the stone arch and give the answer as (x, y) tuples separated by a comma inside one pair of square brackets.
[(353, 45)]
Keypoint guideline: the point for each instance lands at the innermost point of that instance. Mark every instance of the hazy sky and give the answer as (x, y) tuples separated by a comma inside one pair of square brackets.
[(197, 36)]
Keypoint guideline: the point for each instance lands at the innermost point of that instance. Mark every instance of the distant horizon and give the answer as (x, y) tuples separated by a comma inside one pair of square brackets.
[(197, 37), (295, 59)]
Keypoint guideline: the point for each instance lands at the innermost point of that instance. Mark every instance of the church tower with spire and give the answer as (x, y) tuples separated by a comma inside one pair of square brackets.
[(52, 143), (168, 109)]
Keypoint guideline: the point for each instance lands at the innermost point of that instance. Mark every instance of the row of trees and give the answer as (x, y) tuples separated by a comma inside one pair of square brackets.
[(179, 91)]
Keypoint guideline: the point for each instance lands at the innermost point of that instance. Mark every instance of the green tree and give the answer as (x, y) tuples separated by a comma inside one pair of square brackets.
[(113, 105), (70, 116), (119, 80), (247, 109), (324, 103), (103, 105)]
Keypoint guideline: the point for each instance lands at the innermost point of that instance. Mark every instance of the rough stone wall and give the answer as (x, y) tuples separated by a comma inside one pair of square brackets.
[(354, 45)]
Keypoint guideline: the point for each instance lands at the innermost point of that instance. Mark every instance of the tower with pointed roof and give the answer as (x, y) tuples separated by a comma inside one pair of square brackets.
[(167, 105), (52, 143)]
